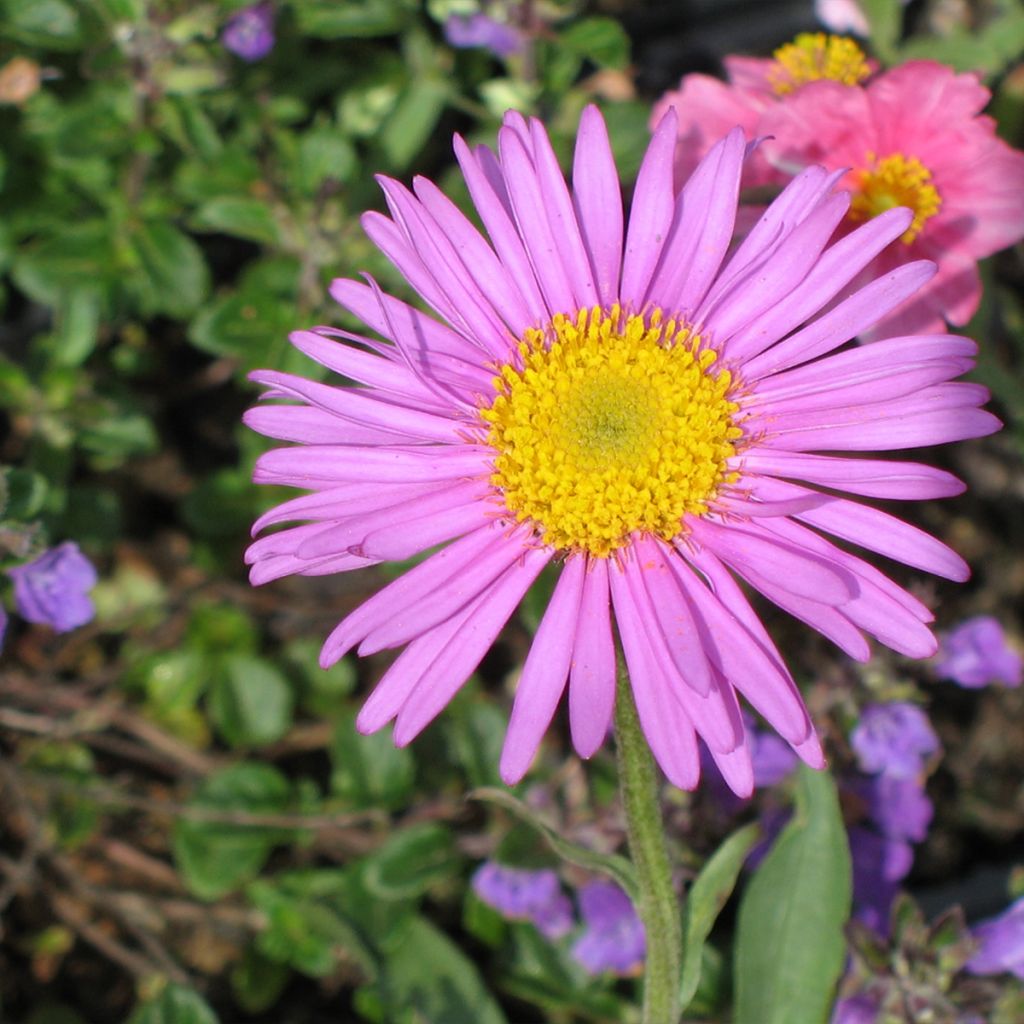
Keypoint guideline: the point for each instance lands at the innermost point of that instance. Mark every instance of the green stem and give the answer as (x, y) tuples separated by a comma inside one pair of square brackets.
[(658, 905)]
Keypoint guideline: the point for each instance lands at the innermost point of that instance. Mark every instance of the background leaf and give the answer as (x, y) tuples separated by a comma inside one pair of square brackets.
[(790, 948)]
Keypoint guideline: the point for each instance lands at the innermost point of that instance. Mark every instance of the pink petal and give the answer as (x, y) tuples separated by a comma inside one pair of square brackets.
[(592, 671), (545, 673)]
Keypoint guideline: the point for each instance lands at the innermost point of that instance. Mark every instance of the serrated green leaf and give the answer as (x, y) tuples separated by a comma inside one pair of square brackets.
[(428, 974), (790, 947), (171, 275), (175, 1005), (251, 702), (215, 857), (708, 894), (410, 862), (612, 865), (369, 771)]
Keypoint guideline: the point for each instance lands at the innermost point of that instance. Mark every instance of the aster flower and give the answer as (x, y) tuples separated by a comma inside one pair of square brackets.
[(893, 739), (53, 589), (637, 406), (249, 33), (613, 935), (977, 653), (913, 136), (708, 107)]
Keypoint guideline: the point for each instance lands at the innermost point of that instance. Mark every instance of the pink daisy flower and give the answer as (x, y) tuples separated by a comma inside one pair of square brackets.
[(708, 107), (915, 137), (631, 402)]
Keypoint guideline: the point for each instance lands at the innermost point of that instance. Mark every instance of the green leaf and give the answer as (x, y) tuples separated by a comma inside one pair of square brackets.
[(475, 732), (49, 269), (708, 894), (369, 771), (427, 974), (310, 926), (410, 862), (25, 493), (241, 216), (175, 1005), (413, 120), (324, 154), (53, 24), (223, 505), (171, 276), (215, 857), (612, 865), (77, 327), (257, 981), (328, 19), (322, 691), (251, 703), (601, 40), (885, 18), (790, 948)]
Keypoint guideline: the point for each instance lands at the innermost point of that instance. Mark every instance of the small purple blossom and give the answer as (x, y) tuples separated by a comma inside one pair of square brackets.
[(249, 34), (3, 626), (893, 739), (523, 895), (53, 589), (879, 865), (771, 758), (899, 807), (859, 1009), (1001, 943), (478, 30), (613, 936), (976, 653)]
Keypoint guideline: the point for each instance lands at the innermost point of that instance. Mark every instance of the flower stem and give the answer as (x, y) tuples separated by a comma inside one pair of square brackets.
[(658, 905)]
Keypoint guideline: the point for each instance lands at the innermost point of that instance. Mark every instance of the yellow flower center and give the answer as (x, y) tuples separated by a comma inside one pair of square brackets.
[(814, 55), (895, 180), (610, 424)]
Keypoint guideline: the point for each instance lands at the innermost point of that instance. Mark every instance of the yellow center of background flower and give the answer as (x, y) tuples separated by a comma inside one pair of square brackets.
[(813, 56), (895, 180), (610, 424)]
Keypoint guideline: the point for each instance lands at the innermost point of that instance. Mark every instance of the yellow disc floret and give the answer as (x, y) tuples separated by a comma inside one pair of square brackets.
[(895, 180), (813, 56), (608, 424)]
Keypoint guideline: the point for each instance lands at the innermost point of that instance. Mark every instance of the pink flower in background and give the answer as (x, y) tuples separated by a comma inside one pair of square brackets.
[(914, 136), (641, 407), (708, 108)]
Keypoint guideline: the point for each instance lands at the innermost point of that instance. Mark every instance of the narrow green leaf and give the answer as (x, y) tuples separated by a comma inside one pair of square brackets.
[(612, 865), (241, 216), (790, 947), (413, 120), (410, 862), (708, 894)]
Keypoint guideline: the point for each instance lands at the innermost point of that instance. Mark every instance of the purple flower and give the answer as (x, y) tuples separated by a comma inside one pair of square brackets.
[(879, 864), (3, 626), (860, 1009), (613, 936), (899, 808), (1001, 943), (771, 758), (976, 653), (893, 739), (477, 30), (523, 895), (54, 588), (249, 34)]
